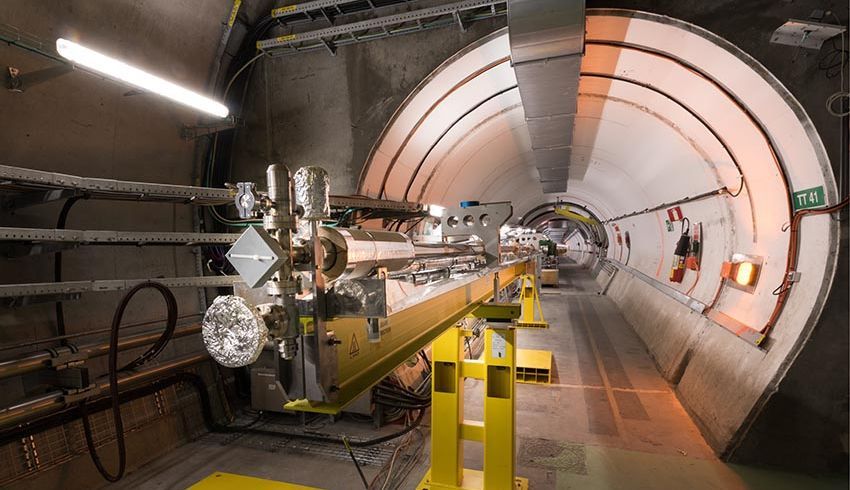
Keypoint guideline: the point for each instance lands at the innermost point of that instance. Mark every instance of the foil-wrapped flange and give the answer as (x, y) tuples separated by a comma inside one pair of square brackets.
[(312, 189), (233, 332)]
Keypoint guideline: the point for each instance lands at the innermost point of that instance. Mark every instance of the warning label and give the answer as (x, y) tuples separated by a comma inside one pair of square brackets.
[(354, 347), (499, 346)]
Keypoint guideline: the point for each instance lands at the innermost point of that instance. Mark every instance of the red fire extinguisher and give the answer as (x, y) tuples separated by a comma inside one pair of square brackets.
[(693, 258), (677, 271)]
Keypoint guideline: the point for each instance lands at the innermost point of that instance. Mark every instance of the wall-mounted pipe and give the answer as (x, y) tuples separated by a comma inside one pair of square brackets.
[(41, 359), (55, 400)]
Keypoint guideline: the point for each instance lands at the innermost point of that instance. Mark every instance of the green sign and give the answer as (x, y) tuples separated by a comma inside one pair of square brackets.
[(809, 198)]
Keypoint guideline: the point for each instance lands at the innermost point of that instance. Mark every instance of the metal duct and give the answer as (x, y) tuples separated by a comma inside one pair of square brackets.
[(547, 44)]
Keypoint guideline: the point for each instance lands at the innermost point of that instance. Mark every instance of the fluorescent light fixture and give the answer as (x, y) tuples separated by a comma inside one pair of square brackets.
[(130, 75), (436, 210)]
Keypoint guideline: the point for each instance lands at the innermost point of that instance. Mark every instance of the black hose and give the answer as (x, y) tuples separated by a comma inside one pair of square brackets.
[(387, 398), (153, 351), (57, 264), (403, 391), (390, 399), (356, 464)]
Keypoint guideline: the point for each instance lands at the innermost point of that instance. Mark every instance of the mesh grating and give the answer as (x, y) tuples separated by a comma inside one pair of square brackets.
[(367, 456), (553, 455), (60, 444)]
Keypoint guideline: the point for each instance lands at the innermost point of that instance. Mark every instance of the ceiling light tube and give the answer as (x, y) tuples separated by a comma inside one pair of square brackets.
[(140, 79)]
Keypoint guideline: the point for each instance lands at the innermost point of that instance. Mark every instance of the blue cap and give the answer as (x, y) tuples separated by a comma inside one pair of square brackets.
[(469, 204)]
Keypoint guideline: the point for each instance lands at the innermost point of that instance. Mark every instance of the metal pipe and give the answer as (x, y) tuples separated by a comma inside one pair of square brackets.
[(55, 400), (89, 333), (442, 250), (353, 253), (279, 221), (40, 360)]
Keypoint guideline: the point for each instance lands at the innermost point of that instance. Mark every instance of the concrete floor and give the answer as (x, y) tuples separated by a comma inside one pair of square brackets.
[(608, 420)]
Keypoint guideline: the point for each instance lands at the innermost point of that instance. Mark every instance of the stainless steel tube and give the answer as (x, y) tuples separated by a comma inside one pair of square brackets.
[(443, 250), (352, 253), (279, 220)]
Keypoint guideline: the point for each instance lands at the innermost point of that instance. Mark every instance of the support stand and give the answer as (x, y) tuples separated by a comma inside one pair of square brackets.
[(530, 301), (448, 427)]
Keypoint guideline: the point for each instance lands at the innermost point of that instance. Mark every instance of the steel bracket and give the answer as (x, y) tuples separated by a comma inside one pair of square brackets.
[(20, 82), (498, 311), (73, 395), (71, 379), (459, 20), (193, 132), (67, 360), (481, 220)]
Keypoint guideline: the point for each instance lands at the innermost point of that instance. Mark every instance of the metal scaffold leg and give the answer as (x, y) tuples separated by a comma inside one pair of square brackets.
[(532, 312), (448, 427)]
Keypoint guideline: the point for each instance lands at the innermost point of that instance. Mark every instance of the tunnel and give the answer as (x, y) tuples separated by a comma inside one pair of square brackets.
[(669, 115), (424, 244)]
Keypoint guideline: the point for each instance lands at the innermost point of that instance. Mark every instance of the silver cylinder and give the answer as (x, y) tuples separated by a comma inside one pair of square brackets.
[(279, 216), (443, 250), (279, 220), (351, 253), (312, 193)]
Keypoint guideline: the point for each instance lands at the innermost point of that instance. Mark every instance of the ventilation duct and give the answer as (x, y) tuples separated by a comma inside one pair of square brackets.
[(547, 44)]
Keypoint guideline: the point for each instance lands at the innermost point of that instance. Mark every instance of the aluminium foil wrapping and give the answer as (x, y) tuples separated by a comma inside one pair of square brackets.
[(233, 332), (358, 298), (312, 189)]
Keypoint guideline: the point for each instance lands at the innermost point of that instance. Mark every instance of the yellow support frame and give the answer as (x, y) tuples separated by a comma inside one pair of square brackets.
[(403, 334), (449, 428), (530, 300), (568, 213), (228, 481)]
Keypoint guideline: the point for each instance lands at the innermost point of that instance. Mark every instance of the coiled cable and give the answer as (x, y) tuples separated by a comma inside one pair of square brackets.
[(152, 352)]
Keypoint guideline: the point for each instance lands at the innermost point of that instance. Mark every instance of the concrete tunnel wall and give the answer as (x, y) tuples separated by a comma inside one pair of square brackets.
[(666, 110), (81, 124)]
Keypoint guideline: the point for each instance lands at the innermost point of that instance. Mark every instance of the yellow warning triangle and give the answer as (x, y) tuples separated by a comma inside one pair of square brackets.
[(354, 348)]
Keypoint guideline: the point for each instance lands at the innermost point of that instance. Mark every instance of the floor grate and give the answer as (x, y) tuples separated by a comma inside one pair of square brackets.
[(552, 455), (376, 455)]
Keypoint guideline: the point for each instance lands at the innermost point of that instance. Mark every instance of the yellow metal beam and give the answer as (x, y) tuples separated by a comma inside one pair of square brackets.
[(229, 481), (566, 212), (361, 363), (472, 430)]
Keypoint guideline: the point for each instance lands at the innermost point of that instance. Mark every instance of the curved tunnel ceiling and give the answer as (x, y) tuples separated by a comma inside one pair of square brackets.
[(667, 112)]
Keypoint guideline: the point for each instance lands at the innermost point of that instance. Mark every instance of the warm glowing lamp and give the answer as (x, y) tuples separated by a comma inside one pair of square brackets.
[(746, 274), (742, 272)]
